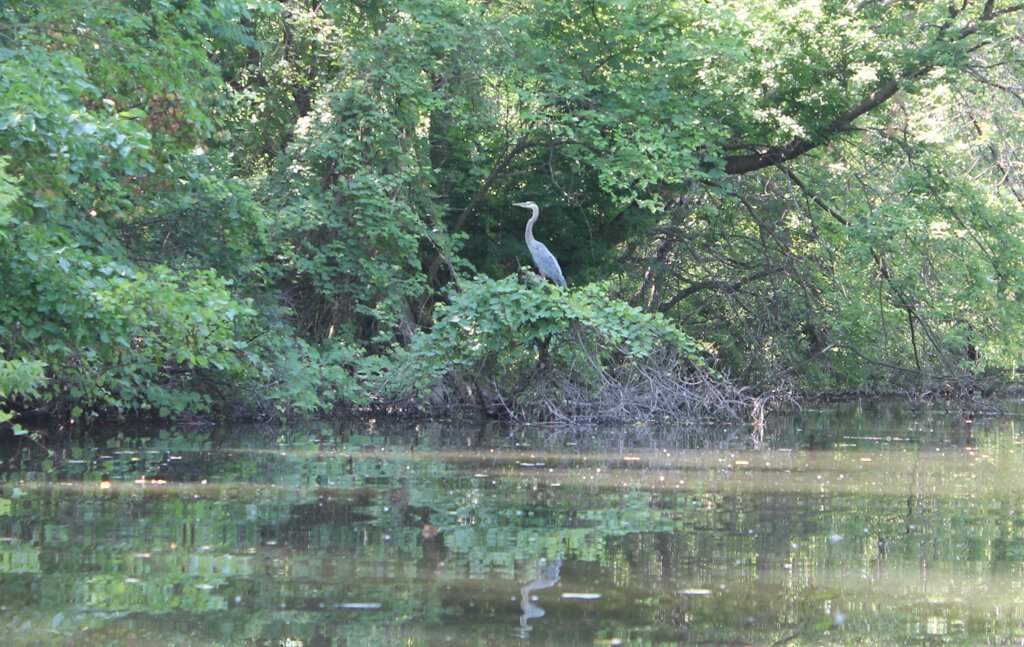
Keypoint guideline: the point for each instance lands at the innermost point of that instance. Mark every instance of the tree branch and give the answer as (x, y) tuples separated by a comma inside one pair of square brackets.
[(495, 173), (774, 155), (901, 298), (719, 286), (740, 164)]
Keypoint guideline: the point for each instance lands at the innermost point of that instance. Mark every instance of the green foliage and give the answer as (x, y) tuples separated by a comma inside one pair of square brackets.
[(361, 223), (59, 139), (114, 335), (505, 338), (299, 379), (9, 194), (890, 258), (258, 207), (19, 378), (122, 266)]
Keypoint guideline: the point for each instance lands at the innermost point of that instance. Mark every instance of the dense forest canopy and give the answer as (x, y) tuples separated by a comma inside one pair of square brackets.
[(258, 207)]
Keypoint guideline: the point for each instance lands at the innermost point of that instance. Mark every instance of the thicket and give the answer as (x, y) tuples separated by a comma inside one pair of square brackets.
[(251, 208)]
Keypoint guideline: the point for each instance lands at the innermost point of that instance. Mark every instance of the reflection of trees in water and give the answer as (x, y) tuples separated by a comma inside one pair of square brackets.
[(547, 575), (714, 560), (309, 524)]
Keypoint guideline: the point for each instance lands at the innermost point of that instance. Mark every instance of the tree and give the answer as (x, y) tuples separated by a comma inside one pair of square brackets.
[(268, 207)]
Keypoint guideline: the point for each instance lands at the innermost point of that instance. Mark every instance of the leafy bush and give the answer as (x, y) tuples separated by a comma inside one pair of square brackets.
[(296, 378), (539, 352), (112, 334), (116, 337), (18, 378)]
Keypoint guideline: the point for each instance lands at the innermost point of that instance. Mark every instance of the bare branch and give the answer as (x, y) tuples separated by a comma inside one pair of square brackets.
[(719, 286)]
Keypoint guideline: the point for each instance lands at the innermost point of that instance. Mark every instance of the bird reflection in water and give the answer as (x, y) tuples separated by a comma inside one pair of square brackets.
[(547, 575)]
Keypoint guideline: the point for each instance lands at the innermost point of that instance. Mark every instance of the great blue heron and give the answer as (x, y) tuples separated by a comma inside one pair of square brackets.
[(545, 261)]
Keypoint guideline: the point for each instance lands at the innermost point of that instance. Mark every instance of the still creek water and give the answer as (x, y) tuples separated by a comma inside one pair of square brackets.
[(870, 525)]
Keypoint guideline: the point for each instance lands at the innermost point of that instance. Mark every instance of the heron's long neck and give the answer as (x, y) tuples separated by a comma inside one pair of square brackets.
[(529, 227)]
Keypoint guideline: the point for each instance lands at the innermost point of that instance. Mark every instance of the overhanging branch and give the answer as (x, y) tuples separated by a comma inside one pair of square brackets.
[(740, 164), (774, 155)]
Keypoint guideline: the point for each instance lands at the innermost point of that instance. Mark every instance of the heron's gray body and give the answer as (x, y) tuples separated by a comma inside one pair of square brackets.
[(545, 261)]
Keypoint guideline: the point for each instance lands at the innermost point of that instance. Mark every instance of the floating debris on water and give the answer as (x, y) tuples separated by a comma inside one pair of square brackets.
[(695, 592)]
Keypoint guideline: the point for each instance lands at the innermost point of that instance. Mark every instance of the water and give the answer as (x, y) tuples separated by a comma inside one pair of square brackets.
[(859, 525)]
